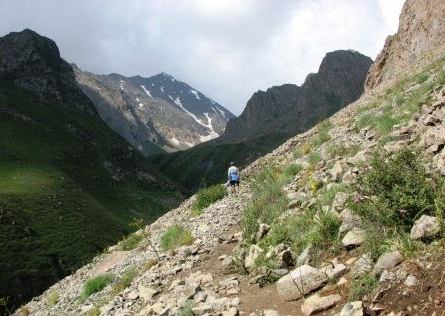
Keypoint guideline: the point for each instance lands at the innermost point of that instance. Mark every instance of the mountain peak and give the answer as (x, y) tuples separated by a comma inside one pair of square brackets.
[(33, 62)]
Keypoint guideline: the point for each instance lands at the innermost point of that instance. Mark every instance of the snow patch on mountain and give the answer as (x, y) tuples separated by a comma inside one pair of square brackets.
[(175, 141), (147, 92), (195, 93)]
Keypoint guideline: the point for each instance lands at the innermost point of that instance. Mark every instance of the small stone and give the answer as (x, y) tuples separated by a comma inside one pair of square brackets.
[(254, 253), (339, 201), (410, 281), (353, 238), (232, 311), (270, 312), (350, 221), (316, 303), (425, 227), (387, 260), (352, 309), (133, 295), (262, 231), (387, 276), (361, 266), (304, 257), (146, 292), (342, 281)]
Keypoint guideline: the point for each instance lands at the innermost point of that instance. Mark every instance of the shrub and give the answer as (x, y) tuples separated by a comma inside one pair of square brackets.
[(362, 286), (125, 280), (385, 122), (314, 158), (292, 170), (130, 242), (421, 78), (397, 189), (95, 311), (53, 298), (327, 195), (322, 135), (297, 153), (96, 284), (324, 231), (268, 201), (365, 119), (176, 236), (186, 310), (208, 196)]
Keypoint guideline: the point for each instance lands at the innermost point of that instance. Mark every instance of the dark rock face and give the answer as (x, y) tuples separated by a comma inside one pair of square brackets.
[(160, 109), (33, 62), (291, 109)]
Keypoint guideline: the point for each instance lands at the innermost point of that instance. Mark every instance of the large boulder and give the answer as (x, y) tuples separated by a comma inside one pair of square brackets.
[(254, 252), (300, 282), (425, 227)]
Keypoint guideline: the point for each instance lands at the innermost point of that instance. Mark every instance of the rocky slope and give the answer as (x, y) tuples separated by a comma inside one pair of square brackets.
[(69, 184), (418, 40), (159, 109), (269, 119), (345, 219), (290, 109)]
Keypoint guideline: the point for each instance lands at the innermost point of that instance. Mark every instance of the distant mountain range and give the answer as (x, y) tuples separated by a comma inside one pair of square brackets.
[(270, 118), (158, 110)]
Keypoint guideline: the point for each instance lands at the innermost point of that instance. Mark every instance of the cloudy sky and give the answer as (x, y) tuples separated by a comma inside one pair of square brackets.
[(227, 49)]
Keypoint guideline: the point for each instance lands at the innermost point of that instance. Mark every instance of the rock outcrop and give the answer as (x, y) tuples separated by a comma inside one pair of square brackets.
[(33, 62), (290, 109), (418, 41)]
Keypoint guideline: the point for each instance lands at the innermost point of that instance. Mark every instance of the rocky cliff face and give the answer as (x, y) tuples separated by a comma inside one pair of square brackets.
[(33, 62), (290, 109), (418, 41), (160, 109)]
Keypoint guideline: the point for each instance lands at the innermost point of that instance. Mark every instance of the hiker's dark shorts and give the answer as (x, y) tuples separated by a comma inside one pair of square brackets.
[(234, 182)]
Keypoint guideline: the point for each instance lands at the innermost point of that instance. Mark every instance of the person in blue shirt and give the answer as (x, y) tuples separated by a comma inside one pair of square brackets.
[(233, 177)]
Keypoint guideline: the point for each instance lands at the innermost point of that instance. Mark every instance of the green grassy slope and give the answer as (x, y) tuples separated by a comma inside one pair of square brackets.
[(68, 188), (207, 164)]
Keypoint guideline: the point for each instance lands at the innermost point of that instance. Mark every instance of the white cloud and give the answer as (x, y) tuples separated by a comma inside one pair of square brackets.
[(227, 49)]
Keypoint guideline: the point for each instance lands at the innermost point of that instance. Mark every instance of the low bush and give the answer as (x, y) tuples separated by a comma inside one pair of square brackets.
[(208, 196), (362, 286), (326, 196), (268, 201), (340, 150), (322, 135), (186, 310), (292, 170), (314, 158), (125, 281), (396, 190), (421, 78), (176, 236), (96, 284), (130, 242), (53, 298)]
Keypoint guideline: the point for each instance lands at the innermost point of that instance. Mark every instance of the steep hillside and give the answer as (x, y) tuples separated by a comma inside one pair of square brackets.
[(269, 119), (419, 40), (291, 109), (159, 109), (344, 219), (69, 185), (304, 236)]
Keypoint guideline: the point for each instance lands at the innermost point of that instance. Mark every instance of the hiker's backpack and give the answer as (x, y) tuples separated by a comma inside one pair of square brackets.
[(234, 176)]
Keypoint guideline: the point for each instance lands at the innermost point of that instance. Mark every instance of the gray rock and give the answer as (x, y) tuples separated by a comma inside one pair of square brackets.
[(349, 221), (254, 253), (299, 282), (262, 231), (387, 276), (147, 292), (353, 238), (337, 172), (361, 266), (232, 311), (334, 271), (316, 303), (304, 257), (270, 312), (425, 227), (352, 309), (410, 281), (387, 260), (339, 201)]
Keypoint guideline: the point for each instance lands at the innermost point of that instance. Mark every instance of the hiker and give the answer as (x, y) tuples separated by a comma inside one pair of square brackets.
[(233, 177)]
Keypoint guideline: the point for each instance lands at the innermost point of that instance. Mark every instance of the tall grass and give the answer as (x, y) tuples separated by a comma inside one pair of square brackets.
[(207, 196), (176, 236)]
